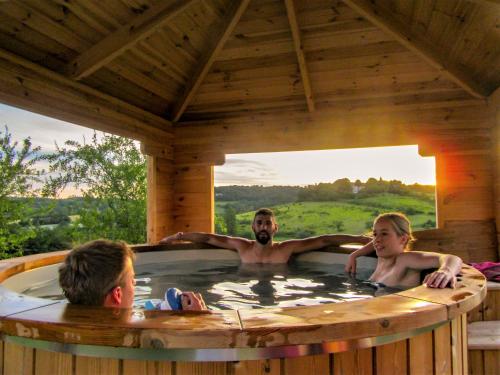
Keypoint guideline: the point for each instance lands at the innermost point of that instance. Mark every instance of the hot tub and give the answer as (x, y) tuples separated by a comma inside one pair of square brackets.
[(419, 330)]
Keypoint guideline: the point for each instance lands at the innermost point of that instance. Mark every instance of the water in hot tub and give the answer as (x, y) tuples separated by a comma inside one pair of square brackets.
[(228, 284)]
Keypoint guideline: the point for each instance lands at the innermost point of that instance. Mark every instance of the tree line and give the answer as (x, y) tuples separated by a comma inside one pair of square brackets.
[(341, 189)]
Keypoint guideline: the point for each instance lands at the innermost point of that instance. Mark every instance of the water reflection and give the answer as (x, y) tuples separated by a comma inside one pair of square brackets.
[(231, 285)]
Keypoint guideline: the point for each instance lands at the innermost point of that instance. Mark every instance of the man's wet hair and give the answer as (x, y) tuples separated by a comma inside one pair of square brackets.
[(264, 212), (92, 270)]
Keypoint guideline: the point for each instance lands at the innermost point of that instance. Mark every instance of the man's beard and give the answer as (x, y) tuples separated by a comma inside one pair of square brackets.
[(262, 237)]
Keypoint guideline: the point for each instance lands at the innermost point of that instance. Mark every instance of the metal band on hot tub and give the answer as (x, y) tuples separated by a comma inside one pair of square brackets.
[(222, 354)]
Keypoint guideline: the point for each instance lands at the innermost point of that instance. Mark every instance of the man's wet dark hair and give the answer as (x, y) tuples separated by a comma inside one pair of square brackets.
[(92, 270), (264, 212)]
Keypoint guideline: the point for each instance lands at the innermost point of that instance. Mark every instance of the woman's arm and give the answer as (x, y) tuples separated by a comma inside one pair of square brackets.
[(351, 260), (448, 267)]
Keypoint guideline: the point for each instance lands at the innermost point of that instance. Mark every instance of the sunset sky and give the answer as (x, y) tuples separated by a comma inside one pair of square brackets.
[(284, 168)]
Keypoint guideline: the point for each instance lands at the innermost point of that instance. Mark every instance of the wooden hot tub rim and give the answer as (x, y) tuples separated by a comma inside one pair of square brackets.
[(412, 309)]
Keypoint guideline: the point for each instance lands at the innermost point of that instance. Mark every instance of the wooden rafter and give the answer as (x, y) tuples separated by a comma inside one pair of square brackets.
[(486, 2), (383, 19), (297, 41), (125, 37), (32, 87), (215, 45)]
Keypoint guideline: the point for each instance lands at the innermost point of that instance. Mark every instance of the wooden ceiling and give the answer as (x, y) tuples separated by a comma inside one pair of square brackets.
[(185, 60)]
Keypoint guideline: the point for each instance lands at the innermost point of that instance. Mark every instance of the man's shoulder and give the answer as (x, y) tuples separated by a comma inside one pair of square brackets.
[(282, 246), (245, 244)]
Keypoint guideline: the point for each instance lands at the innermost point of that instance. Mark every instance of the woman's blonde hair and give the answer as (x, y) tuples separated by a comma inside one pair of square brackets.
[(399, 222)]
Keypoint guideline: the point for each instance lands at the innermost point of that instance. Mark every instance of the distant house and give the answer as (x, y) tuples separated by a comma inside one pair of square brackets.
[(356, 189)]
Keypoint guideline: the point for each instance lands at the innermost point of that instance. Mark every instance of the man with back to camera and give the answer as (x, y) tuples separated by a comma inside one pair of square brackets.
[(263, 249), (101, 273)]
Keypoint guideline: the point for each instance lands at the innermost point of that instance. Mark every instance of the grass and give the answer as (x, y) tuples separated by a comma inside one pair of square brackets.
[(304, 219)]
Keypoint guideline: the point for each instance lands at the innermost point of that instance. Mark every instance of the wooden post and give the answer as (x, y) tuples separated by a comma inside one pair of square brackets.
[(494, 102), (160, 191), (193, 198), (193, 201)]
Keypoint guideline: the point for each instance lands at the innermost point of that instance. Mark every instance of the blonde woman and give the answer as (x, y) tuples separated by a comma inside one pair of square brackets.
[(398, 267)]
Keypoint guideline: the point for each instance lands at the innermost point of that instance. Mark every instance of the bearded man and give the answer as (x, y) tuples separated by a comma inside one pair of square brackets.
[(263, 249)]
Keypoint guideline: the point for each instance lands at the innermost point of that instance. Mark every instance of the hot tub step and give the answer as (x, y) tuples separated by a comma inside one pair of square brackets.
[(484, 335)]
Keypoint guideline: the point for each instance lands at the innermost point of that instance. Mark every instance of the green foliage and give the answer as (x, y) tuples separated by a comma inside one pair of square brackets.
[(220, 224), (49, 239), (17, 176), (247, 198), (111, 174), (304, 219), (340, 189), (230, 220)]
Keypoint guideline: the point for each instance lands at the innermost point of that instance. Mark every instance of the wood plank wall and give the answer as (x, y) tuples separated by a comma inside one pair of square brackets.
[(494, 102), (438, 352), (458, 134), (193, 198), (160, 199)]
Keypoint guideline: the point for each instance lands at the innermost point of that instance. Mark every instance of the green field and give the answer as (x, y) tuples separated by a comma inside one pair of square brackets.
[(303, 219)]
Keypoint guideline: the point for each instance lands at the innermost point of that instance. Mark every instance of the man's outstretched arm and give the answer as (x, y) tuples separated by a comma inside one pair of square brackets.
[(225, 242), (313, 243)]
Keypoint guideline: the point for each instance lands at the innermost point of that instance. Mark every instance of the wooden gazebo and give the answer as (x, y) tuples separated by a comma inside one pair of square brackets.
[(194, 80)]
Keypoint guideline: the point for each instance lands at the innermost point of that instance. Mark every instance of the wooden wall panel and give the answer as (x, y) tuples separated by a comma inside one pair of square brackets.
[(353, 362), (473, 241), (476, 362), (94, 365), (160, 198), (438, 352), (20, 359), (201, 368), (50, 363), (494, 103), (134, 367), (421, 354), (491, 361), (385, 358), (457, 360), (193, 198), (314, 364), (442, 350), (463, 189), (263, 367)]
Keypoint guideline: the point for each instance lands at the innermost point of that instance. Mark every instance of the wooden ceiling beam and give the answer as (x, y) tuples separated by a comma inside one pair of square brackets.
[(299, 49), (32, 87), (424, 48), (215, 45), (486, 2), (125, 37)]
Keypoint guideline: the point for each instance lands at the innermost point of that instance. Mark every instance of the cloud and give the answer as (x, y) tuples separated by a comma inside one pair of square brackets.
[(245, 172), (230, 162), (43, 131)]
